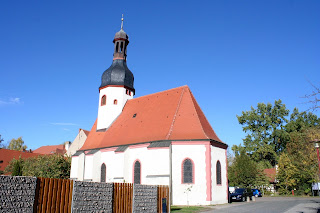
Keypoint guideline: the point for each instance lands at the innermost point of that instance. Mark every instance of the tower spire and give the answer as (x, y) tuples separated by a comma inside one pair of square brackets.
[(122, 22)]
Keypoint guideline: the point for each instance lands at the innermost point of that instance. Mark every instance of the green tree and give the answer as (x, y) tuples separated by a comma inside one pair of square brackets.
[(15, 167), (17, 144), (48, 166), (298, 167), (245, 172), (300, 121), (265, 131)]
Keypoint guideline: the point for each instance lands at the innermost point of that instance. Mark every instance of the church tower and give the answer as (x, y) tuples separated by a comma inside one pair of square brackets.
[(116, 83)]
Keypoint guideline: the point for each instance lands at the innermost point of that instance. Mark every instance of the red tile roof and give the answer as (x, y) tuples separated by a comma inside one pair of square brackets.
[(6, 155), (46, 150), (169, 115), (271, 174)]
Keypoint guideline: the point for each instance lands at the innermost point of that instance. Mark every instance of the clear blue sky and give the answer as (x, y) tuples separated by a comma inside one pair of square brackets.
[(232, 55)]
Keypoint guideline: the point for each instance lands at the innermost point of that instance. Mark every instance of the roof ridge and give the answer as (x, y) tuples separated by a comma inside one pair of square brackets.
[(192, 99), (204, 117), (175, 115), (157, 93)]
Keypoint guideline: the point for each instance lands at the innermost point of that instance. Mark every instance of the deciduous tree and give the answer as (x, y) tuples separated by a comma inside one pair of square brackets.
[(17, 144), (245, 172), (264, 126), (49, 166)]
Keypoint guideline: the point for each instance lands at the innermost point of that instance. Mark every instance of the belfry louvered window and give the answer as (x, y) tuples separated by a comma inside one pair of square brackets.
[(218, 172), (103, 173), (137, 172), (187, 171)]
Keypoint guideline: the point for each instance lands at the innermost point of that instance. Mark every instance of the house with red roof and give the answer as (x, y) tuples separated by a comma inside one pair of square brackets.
[(159, 139), (6, 155), (271, 176), (51, 149)]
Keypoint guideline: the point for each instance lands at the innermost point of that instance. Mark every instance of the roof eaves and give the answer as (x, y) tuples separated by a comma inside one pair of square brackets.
[(122, 148), (159, 144), (78, 153)]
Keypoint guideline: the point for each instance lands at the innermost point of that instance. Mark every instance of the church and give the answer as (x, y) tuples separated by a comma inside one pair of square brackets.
[(158, 139)]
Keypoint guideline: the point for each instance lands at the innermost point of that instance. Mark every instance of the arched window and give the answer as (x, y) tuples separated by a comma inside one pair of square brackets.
[(137, 172), (103, 173), (103, 100), (218, 172), (187, 171), (115, 102)]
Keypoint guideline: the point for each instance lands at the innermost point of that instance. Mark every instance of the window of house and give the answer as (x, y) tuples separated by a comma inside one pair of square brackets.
[(115, 102), (218, 171), (103, 100), (103, 173), (187, 171), (137, 172)]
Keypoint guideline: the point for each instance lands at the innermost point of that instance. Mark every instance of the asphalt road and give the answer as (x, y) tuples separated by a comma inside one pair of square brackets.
[(271, 205)]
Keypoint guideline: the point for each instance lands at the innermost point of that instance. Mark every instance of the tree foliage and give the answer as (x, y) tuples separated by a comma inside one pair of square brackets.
[(17, 144), (276, 137), (264, 126), (245, 172), (48, 166), (298, 166)]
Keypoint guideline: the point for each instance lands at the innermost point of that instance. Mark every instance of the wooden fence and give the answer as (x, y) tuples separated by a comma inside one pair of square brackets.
[(122, 197), (53, 195)]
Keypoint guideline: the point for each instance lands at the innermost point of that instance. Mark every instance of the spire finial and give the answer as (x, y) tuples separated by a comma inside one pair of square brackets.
[(122, 22)]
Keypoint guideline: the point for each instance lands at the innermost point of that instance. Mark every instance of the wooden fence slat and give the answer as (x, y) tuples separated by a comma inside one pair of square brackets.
[(41, 189), (54, 195), (45, 195), (70, 196), (59, 196), (63, 192), (49, 200), (66, 202)]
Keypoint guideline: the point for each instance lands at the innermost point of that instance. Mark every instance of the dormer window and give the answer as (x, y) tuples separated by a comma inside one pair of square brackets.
[(115, 102), (103, 100)]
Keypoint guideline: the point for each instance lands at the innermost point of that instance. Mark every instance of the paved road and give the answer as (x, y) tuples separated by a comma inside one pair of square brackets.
[(272, 205)]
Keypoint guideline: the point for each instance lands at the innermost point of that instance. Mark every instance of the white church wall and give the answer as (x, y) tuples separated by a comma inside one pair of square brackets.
[(132, 154), (154, 164), (219, 191), (96, 167), (114, 165), (88, 168), (74, 167), (157, 166), (109, 112), (197, 194)]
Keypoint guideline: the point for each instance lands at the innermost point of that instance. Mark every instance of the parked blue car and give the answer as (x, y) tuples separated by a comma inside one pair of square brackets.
[(256, 192)]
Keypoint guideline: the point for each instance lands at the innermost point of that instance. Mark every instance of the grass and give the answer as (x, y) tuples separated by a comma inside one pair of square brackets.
[(188, 209)]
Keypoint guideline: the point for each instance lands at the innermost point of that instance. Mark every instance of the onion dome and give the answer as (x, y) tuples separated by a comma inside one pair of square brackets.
[(118, 73)]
